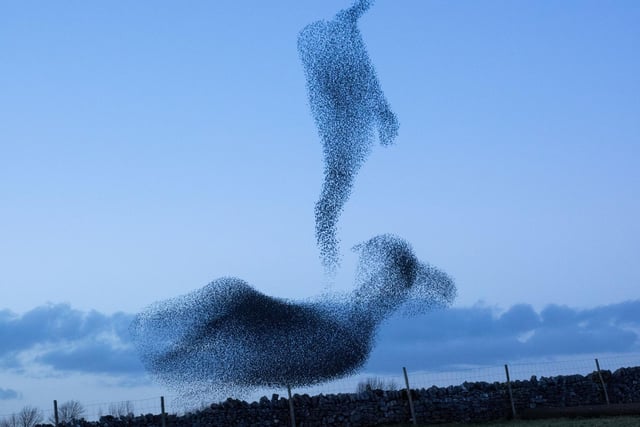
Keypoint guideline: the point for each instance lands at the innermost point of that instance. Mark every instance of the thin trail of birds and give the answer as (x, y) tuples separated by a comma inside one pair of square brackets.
[(349, 108)]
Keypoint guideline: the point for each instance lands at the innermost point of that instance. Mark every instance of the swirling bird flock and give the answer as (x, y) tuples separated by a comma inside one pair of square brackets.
[(229, 338)]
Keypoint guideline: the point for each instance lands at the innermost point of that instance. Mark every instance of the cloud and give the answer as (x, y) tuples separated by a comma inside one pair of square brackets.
[(7, 394), (57, 323), (93, 357), (481, 335), (64, 339)]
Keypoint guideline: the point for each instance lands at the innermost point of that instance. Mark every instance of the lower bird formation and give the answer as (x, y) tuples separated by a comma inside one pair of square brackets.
[(228, 337)]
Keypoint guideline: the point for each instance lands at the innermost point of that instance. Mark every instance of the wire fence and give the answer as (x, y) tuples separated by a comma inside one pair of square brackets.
[(417, 379), (490, 374)]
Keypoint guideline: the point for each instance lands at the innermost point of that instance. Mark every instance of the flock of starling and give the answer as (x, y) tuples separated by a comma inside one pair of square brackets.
[(229, 338)]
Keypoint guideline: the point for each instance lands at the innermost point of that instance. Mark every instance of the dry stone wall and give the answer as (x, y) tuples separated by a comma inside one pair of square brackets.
[(477, 401)]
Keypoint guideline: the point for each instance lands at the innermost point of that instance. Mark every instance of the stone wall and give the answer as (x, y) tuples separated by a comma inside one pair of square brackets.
[(478, 401)]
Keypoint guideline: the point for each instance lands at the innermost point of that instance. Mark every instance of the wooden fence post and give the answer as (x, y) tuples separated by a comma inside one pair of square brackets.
[(55, 412), (292, 413), (406, 383), (513, 405), (604, 386), (162, 412)]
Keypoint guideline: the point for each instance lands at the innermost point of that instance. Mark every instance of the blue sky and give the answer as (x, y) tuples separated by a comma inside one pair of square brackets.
[(148, 148)]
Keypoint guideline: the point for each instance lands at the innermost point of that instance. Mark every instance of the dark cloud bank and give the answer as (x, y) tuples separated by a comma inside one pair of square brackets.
[(7, 394), (478, 336), (69, 340)]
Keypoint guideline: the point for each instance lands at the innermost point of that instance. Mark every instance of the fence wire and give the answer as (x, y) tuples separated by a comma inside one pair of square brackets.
[(417, 380)]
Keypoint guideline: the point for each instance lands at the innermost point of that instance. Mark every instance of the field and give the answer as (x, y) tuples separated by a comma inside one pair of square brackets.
[(619, 421)]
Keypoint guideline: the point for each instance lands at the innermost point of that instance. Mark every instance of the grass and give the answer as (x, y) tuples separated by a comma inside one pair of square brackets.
[(617, 421)]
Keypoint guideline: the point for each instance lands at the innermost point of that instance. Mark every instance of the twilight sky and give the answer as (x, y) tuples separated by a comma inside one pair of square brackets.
[(148, 148)]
